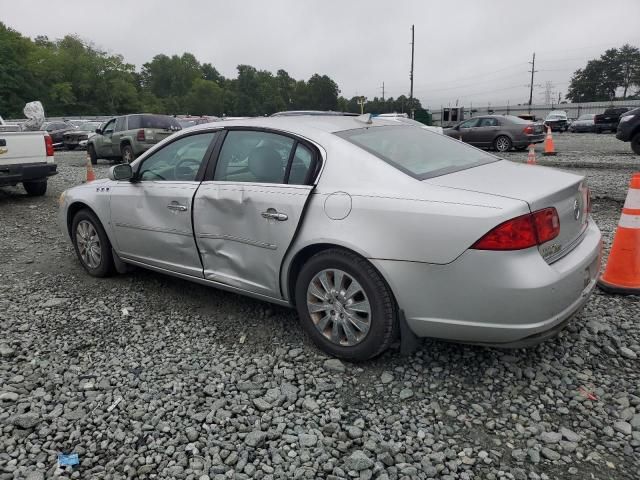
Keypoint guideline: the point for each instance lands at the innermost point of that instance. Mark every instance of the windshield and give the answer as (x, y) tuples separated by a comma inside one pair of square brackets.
[(89, 126), (416, 151)]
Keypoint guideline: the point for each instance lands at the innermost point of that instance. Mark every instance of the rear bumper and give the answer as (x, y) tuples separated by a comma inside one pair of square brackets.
[(13, 174), (509, 299), (528, 140)]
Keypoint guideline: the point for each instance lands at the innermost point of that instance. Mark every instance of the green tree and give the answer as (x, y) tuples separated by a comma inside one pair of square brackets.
[(323, 92), (205, 98)]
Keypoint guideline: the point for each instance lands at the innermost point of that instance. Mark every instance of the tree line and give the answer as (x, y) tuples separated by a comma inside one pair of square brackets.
[(72, 77), (617, 71)]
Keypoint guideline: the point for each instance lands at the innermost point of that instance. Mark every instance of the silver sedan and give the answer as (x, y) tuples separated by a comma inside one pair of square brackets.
[(370, 229)]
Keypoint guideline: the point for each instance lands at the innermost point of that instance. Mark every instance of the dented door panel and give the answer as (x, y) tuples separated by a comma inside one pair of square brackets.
[(242, 232), (152, 224)]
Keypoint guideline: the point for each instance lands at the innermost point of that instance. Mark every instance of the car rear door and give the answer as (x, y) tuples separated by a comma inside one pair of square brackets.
[(246, 216), (151, 216)]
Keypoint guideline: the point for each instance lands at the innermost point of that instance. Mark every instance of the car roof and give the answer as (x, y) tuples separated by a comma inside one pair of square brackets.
[(301, 124)]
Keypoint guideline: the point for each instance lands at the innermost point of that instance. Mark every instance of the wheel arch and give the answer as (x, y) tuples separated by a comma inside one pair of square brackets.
[(304, 254), (74, 208)]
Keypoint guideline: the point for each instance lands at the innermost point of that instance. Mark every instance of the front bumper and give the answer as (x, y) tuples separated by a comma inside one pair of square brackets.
[(24, 172), (509, 299), (624, 130)]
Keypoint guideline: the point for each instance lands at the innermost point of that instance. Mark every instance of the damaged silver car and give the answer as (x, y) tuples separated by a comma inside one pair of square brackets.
[(367, 227)]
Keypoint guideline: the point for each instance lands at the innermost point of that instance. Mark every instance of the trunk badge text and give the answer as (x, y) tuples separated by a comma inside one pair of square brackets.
[(576, 210)]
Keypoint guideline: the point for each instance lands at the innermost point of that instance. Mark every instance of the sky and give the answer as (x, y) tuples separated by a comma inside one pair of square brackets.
[(466, 51)]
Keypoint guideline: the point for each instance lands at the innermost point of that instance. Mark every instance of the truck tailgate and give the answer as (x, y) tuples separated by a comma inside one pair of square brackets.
[(22, 147)]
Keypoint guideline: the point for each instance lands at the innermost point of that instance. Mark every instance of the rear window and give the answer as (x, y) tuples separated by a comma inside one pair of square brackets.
[(153, 121), (417, 152)]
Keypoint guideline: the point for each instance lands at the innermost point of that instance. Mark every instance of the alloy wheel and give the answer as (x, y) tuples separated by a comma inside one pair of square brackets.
[(502, 144), (88, 244), (339, 307)]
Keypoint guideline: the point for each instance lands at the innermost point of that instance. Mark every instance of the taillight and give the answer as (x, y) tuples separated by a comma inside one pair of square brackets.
[(522, 232), (48, 145), (140, 136), (547, 224), (588, 199), (528, 130)]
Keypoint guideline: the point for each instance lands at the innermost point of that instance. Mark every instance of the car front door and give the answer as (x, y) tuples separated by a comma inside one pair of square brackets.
[(245, 217), (118, 130), (103, 141), (486, 131), (151, 215), (467, 130)]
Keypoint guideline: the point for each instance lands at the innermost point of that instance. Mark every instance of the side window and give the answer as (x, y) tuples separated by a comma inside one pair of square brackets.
[(300, 165), (120, 124), (489, 122), (469, 123), (250, 156), (108, 128), (177, 161)]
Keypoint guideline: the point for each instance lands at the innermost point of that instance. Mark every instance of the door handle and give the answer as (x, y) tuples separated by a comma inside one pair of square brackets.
[(177, 207), (274, 215)]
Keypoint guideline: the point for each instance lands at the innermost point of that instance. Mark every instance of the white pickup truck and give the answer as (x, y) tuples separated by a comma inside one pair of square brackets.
[(27, 158)]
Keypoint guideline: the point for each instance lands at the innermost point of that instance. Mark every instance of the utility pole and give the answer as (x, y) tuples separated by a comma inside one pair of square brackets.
[(383, 91), (533, 70), (411, 74), (361, 103)]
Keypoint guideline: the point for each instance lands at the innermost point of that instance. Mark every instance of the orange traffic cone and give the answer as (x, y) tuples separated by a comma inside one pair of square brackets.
[(531, 157), (91, 175), (549, 149), (622, 274)]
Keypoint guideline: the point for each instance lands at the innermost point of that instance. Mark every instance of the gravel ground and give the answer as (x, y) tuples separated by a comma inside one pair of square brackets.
[(145, 376)]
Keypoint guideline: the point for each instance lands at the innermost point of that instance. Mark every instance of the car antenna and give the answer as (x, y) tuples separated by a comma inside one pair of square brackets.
[(364, 118)]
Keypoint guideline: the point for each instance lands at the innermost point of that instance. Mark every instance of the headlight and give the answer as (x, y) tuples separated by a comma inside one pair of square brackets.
[(626, 118)]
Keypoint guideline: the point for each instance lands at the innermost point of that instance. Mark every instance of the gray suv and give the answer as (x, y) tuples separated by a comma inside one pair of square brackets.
[(126, 137)]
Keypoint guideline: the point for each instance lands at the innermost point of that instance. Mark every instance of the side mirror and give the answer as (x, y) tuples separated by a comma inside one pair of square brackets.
[(121, 172), (98, 131)]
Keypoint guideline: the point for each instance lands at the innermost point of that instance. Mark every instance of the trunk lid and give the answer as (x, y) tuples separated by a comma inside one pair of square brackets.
[(540, 187)]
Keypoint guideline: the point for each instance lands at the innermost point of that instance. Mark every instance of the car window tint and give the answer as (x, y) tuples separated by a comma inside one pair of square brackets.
[(489, 122), (250, 156), (416, 151), (120, 121), (163, 122), (300, 165), (469, 123), (177, 161)]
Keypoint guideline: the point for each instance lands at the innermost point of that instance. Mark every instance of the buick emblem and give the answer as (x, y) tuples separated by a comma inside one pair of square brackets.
[(576, 210)]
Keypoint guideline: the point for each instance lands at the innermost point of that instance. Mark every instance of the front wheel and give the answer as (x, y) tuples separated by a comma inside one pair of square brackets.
[(345, 306), (92, 244), (35, 188), (91, 151), (635, 143), (502, 143)]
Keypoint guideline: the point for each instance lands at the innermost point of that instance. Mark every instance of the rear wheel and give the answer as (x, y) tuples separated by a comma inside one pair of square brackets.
[(92, 244), (502, 143), (91, 150), (635, 143), (345, 306), (127, 154), (71, 147), (35, 188)]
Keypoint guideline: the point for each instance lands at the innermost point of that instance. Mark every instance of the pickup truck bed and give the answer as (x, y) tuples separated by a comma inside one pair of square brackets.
[(27, 158), (609, 119)]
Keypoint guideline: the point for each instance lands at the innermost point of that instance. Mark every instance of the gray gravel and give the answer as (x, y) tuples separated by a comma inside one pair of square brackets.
[(145, 376)]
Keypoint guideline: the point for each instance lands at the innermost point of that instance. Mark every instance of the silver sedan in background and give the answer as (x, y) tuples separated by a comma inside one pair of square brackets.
[(499, 132), (366, 226)]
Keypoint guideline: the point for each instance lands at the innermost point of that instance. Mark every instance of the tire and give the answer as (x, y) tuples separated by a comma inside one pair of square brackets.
[(502, 143), (635, 143), (91, 150), (71, 147), (35, 188), (92, 227), (597, 130), (370, 291), (127, 153)]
